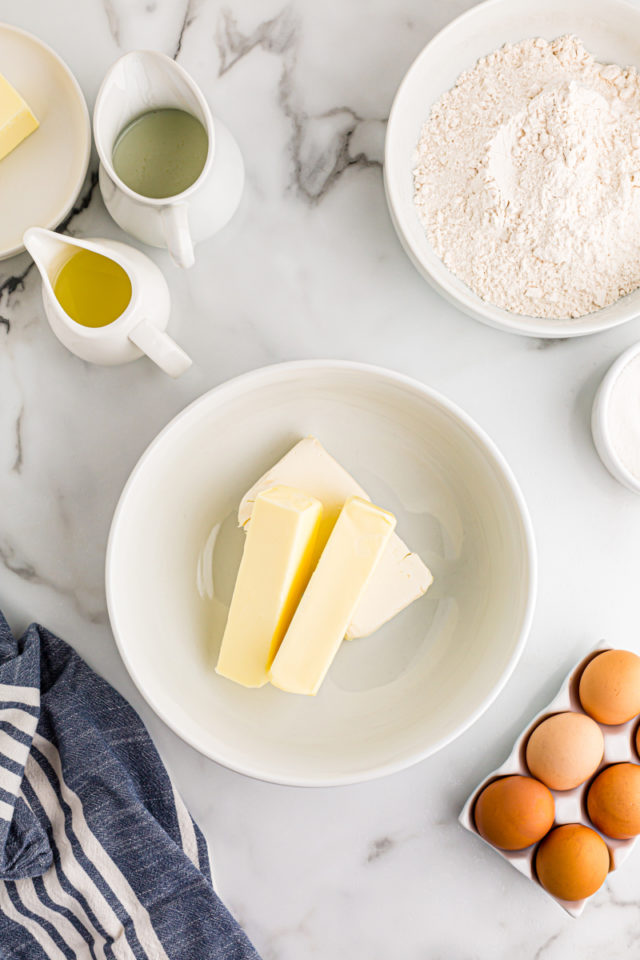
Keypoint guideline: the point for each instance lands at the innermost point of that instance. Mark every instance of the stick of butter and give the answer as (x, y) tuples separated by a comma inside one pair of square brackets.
[(400, 577), (354, 548), (16, 119), (276, 564)]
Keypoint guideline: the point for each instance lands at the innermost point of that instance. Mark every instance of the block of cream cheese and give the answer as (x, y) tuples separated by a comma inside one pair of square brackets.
[(277, 561), (400, 577), (354, 548), (16, 119)]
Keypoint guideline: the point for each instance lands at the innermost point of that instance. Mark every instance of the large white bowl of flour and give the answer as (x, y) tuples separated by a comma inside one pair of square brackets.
[(609, 29)]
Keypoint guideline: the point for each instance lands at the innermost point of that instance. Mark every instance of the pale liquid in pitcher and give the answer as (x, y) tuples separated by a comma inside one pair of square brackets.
[(161, 153), (91, 289)]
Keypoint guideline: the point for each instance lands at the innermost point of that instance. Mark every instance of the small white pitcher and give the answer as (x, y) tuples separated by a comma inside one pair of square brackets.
[(145, 80), (137, 331)]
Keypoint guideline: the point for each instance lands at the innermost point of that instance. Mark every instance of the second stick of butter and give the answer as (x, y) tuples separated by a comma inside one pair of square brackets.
[(352, 553)]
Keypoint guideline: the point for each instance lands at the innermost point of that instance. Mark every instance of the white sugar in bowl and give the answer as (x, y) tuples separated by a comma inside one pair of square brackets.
[(615, 420)]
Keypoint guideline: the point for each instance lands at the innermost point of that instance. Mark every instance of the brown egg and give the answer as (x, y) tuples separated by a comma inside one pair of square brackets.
[(613, 801), (610, 687), (572, 862), (564, 750), (514, 812)]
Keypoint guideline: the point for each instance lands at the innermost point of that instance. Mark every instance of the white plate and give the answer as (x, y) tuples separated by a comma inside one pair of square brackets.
[(41, 178), (610, 29), (390, 699)]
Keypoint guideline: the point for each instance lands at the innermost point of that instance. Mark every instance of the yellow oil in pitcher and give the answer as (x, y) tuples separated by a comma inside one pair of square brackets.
[(93, 290)]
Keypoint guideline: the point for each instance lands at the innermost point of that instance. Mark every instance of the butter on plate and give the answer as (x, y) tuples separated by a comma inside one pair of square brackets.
[(353, 551), (17, 121), (276, 564), (398, 579)]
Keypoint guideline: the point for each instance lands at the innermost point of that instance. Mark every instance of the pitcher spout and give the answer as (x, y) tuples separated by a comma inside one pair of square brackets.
[(48, 249)]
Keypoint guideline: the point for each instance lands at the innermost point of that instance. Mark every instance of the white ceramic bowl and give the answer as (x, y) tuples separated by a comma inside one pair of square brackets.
[(41, 178), (390, 699), (600, 421), (609, 28)]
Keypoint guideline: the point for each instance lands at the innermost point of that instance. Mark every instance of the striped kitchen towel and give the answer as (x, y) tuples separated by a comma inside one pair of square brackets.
[(99, 858)]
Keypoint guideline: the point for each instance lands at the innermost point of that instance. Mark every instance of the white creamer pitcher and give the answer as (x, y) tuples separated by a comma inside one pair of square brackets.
[(137, 83), (137, 331)]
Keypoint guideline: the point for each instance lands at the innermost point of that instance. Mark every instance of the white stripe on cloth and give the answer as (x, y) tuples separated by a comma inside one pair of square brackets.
[(42, 938), (211, 873), (101, 860), (15, 694), (13, 749), (187, 831), (19, 718), (72, 869), (6, 811), (9, 781), (59, 896), (65, 930)]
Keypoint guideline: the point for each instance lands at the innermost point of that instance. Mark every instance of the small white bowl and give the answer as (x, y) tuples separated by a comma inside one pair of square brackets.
[(41, 179), (610, 29), (600, 421), (390, 699)]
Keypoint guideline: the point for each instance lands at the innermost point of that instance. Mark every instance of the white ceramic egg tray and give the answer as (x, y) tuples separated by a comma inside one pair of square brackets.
[(619, 746)]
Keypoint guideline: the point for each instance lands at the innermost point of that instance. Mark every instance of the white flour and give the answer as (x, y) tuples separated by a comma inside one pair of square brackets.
[(527, 179)]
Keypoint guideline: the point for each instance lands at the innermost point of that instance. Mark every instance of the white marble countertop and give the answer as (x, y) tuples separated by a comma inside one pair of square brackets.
[(310, 267)]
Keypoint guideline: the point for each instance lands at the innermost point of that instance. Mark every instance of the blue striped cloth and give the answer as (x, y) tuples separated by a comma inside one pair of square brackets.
[(99, 858)]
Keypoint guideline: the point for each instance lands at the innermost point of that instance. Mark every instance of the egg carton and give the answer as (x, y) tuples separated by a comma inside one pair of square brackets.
[(570, 805)]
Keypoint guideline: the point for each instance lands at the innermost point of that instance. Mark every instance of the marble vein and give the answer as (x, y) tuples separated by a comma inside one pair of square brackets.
[(379, 848), (82, 204), (8, 287), (17, 463), (190, 14), (321, 146), (296, 932), (26, 571), (544, 343), (613, 900), (112, 20), (542, 949), (277, 36)]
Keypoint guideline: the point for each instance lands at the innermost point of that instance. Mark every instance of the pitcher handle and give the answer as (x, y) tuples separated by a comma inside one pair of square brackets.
[(160, 348), (175, 224)]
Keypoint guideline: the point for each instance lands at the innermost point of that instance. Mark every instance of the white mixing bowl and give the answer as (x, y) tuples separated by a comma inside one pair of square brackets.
[(610, 30), (389, 699)]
